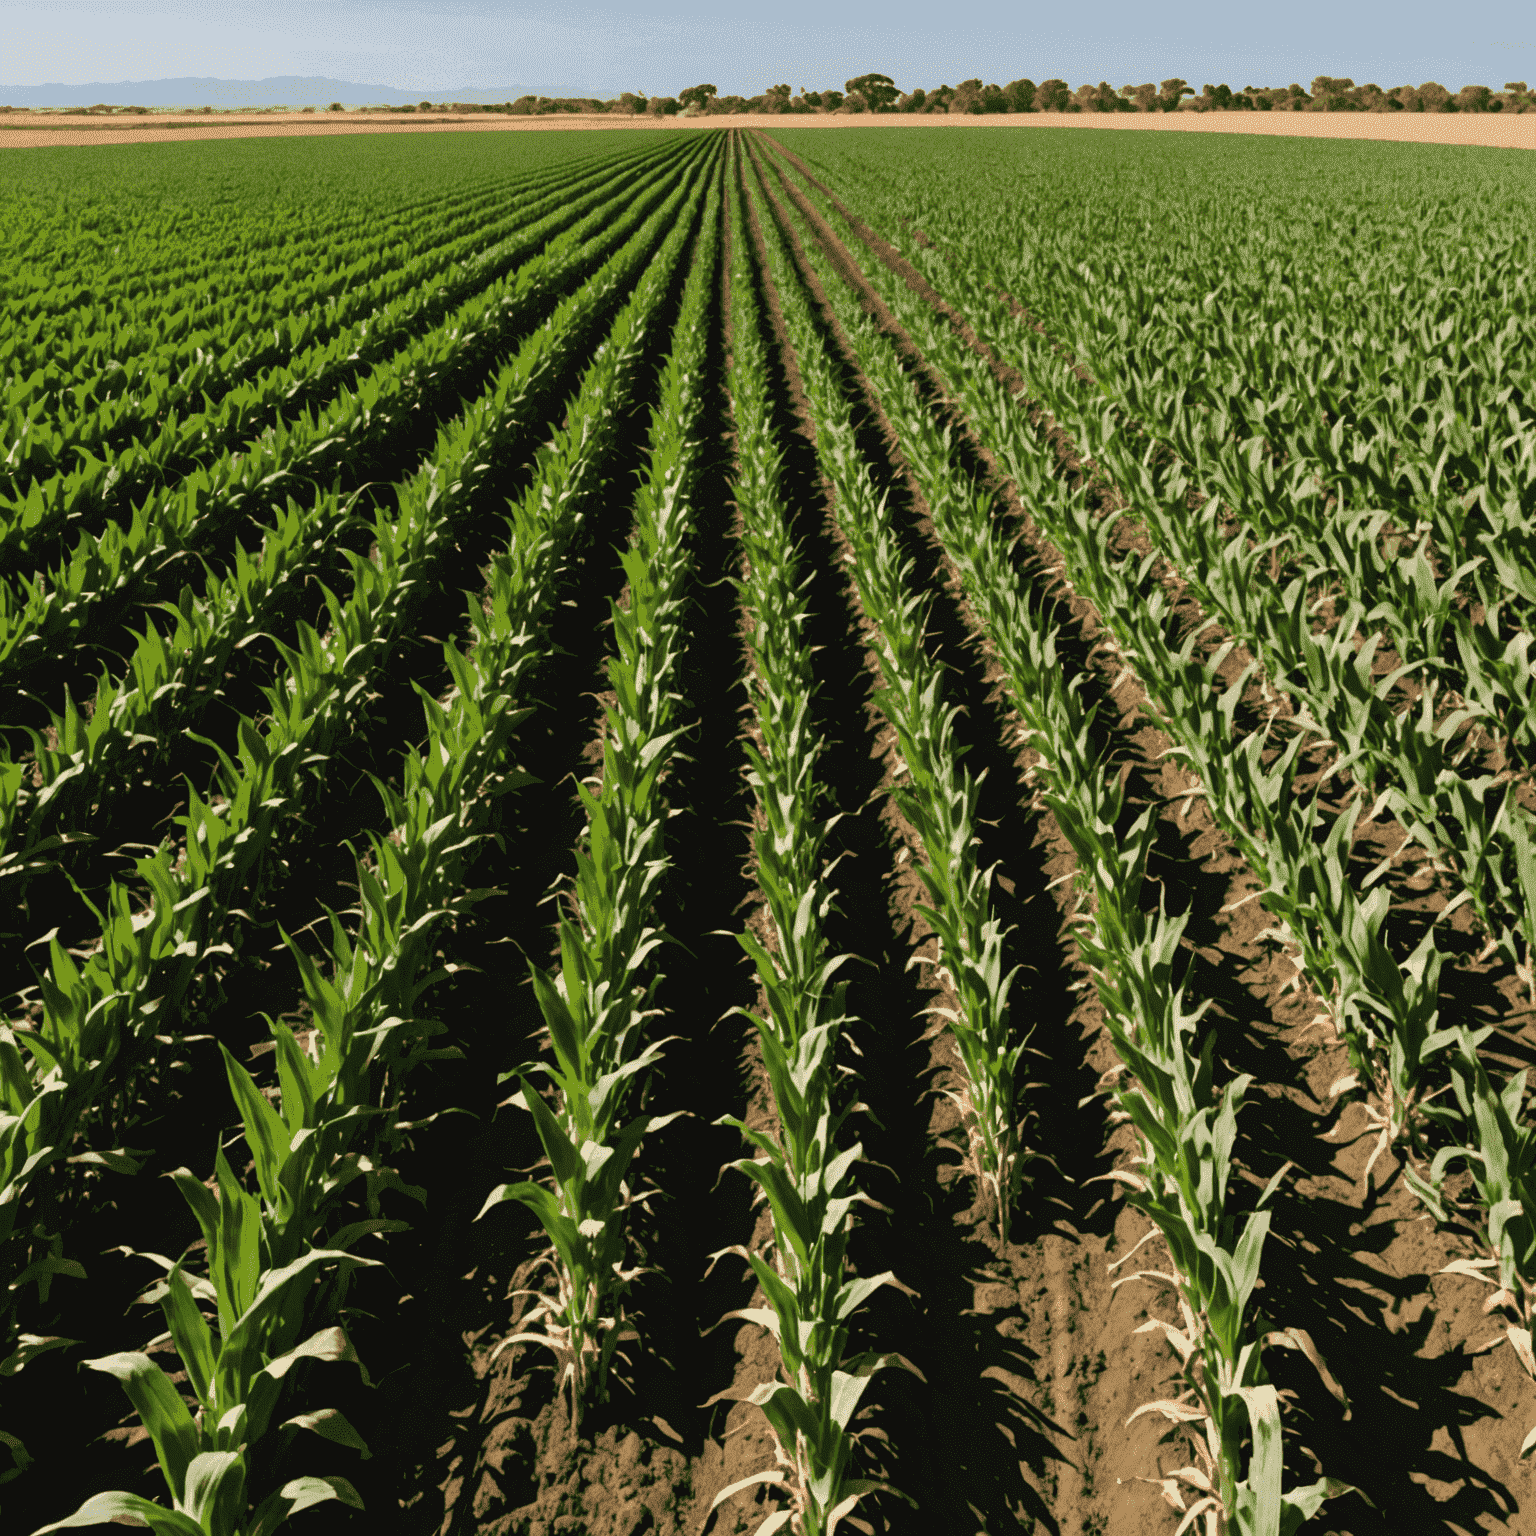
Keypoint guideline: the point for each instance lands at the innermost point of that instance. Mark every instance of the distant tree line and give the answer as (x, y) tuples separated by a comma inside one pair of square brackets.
[(879, 93)]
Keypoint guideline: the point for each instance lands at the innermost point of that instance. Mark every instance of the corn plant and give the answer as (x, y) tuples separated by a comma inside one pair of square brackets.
[(262, 1266), (236, 1366), (1498, 673), (800, 1166), (1501, 1157), (935, 794), (595, 1007)]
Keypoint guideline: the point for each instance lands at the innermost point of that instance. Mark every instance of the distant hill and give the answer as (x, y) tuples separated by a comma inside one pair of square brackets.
[(276, 91)]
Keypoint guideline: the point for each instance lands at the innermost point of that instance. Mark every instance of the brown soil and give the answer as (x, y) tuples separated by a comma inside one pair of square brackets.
[(64, 130), (1495, 130)]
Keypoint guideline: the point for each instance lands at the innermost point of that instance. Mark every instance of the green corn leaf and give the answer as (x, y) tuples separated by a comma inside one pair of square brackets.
[(330, 1424), (301, 1494), (191, 1334), (265, 1133), (115, 1508), (160, 1410), (215, 1496)]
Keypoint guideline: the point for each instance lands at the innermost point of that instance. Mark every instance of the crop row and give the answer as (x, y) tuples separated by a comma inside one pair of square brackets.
[(1271, 549), (172, 678), (1385, 1009), (175, 229), (232, 449), (1186, 1124), (1385, 1012), (141, 393), (133, 983)]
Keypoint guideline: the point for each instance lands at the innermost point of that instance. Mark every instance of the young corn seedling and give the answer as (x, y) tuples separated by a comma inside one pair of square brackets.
[(810, 1297), (1521, 841), (799, 1167), (1501, 1156), (237, 1372), (237, 1362), (1499, 674), (934, 792), (595, 1008)]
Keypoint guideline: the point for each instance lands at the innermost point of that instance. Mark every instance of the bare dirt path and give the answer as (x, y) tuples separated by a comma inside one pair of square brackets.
[(67, 130), (1487, 129)]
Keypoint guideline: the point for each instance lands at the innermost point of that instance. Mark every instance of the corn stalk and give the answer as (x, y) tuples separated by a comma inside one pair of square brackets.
[(595, 1007), (800, 1165)]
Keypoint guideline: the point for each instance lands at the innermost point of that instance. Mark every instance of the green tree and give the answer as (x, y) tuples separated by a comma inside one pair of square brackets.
[(698, 96), (335, 106), (1020, 95), (1336, 95), (1171, 92), (879, 91), (967, 98), (1053, 96)]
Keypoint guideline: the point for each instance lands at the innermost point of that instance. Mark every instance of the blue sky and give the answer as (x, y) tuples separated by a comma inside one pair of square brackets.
[(659, 46)]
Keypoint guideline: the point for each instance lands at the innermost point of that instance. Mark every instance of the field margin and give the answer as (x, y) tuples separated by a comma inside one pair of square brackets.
[(1485, 129)]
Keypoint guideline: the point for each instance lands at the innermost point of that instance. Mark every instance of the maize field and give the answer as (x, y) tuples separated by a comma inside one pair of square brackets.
[(722, 831)]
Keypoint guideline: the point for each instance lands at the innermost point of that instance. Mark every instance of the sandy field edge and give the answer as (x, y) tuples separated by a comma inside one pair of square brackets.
[(1491, 130)]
